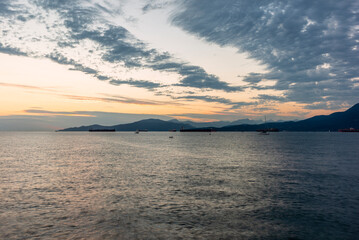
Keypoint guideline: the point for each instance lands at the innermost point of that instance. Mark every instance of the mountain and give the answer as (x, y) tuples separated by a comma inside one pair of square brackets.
[(218, 124), (84, 128), (149, 124), (332, 122), (245, 121)]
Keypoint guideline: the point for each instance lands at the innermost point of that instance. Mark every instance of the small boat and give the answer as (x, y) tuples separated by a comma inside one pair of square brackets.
[(263, 132)]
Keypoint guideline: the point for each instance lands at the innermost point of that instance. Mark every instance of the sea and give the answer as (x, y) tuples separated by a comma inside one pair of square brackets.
[(223, 185)]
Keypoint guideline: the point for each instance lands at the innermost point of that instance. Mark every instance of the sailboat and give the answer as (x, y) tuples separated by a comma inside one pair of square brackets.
[(265, 130)]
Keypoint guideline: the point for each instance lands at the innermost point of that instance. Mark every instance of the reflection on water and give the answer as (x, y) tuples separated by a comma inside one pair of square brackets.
[(194, 185)]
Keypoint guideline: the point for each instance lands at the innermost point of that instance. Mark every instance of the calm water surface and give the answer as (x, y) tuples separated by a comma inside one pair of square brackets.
[(193, 186)]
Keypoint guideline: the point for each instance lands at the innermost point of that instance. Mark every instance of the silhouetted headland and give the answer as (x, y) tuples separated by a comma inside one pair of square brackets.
[(338, 121)]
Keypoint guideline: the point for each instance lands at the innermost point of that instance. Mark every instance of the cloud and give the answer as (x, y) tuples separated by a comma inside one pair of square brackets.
[(214, 99), (78, 34), (267, 97), (262, 109), (194, 76), (328, 106), (45, 120), (64, 113), (107, 98), (154, 5), (137, 83), (217, 116), (307, 46), (91, 114), (206, 99), (11, 50), (116, 99), (6, 9), (310, 48), (24, 86), (59, 58), (198, 78)]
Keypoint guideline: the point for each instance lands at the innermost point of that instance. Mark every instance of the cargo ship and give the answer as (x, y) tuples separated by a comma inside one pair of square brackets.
[(198, 130), (268, 130), (103, 130)]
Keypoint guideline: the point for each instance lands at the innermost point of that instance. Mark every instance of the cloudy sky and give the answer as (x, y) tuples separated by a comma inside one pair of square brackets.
[(74, 62)]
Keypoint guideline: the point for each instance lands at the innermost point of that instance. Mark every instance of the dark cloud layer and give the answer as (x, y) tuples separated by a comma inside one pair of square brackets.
[(194, 76), (310, 47), (137, 83), (116, 43), (214, 99), (11, 50), (154, 5), (267, 97), (5, 7), (45, 120)]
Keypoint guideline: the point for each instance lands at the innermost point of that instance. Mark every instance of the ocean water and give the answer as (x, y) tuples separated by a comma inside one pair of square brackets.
[(80, 185)]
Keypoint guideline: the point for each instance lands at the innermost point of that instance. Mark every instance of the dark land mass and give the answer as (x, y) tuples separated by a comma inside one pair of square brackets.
[(332, 122), (147, 124), (218, 124)]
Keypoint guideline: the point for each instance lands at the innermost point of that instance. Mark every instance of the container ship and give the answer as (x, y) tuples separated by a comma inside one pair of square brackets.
[(103, 130), (268, 130)]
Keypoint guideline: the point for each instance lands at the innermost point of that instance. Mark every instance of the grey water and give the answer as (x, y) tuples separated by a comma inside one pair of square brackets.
[(239, 185)]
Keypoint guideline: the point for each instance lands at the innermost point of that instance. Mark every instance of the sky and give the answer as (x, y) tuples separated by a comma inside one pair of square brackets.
[(67, 63)]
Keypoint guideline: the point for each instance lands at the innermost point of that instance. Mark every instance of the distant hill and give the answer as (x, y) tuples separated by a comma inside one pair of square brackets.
[(151, 125), (148, 124), (84, 128), (332, 122), (218, 124)]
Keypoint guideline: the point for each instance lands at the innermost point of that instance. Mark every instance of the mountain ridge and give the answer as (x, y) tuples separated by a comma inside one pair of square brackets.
[(331, 122), (218, 124), (145, 124)]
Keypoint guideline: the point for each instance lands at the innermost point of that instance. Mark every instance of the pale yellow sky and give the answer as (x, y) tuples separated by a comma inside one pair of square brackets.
[(130, 61), (45, 85)]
